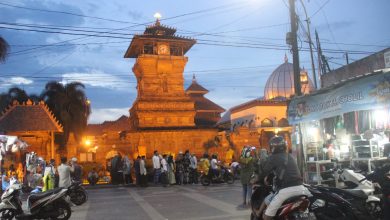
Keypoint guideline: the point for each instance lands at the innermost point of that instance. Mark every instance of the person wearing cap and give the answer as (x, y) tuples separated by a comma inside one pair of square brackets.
[(77, 173)]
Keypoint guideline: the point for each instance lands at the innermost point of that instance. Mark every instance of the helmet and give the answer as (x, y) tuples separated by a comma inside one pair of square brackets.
[(277, 144)]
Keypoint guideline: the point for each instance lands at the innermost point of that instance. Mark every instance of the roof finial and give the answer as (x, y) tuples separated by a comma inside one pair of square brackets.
[(285, 58), (193, 78), (157, 16)]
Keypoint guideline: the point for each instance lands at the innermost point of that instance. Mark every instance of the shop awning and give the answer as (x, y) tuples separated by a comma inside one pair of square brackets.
[(363, 93)]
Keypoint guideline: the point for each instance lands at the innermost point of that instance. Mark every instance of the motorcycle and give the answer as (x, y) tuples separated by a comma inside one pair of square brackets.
[(226, 176), (77, 193), (294, 208), (349, 179), (48, 205)]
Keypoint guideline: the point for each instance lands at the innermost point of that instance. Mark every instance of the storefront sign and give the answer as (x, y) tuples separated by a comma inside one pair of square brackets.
[(363, 94)]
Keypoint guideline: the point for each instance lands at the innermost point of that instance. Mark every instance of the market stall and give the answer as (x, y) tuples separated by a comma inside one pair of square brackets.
[(344, 125)]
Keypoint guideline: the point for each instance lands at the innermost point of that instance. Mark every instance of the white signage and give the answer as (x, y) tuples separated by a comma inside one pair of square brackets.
[(387, 59)]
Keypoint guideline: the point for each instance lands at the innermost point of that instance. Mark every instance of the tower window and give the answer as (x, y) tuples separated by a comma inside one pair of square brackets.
[(176, 51), (148, 49)]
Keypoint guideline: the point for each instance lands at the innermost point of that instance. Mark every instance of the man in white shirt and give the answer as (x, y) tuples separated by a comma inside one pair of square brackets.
[(64, 173), (193, 169), (214, 165), (156, 167)]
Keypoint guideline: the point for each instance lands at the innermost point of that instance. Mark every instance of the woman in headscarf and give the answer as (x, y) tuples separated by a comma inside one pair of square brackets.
[(247, 169), (171, 170)]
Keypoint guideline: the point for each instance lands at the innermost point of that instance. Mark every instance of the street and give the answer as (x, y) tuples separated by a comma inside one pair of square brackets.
[(193, 202)]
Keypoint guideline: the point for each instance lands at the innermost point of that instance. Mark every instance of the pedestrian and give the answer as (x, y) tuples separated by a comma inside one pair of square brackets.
[(49, 178), (164, 170), (143, 172), (127, 170), (259, 166), (179, 168), (114, 169), (193, 169), (64, 172), (4, 181), (171, 170), (247, 169), (186, 165), (93, 177), (156, 167), (119, 169), (77, 173), (137, 171)]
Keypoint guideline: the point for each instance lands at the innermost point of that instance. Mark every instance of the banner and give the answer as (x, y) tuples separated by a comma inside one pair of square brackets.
[(365, 93)]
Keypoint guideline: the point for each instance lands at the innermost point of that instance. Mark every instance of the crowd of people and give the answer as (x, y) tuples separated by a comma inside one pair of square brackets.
[(166, 170), (38, 175)]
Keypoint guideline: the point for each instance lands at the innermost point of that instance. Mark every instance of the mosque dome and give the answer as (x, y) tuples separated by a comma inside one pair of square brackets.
[(280, 84)]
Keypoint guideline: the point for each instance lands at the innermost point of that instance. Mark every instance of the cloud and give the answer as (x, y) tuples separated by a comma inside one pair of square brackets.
[(107, 114), (98, 78), (15, 81)]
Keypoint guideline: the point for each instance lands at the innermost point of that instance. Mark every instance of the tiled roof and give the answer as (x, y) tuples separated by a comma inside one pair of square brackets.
[(202, 103), (29, 117), (196, 88)]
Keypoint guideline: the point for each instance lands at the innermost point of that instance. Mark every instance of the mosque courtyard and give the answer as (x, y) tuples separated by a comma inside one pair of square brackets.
[(175, 202)]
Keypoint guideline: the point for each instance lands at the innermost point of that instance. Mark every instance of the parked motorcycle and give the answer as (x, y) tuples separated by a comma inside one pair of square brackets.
[(294, 208), (226, 176), (77, 193), (349, 179), (48, 205)]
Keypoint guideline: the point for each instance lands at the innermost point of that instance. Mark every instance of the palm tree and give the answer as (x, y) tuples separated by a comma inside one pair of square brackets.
[(69, 104), (13, 93), (4, 49)]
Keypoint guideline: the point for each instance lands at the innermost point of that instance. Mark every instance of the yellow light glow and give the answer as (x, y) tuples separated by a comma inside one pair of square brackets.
[(87, 142), (157, 16), (88, 102)]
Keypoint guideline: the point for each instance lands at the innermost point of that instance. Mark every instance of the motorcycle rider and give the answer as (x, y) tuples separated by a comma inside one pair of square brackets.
[(214, 165), (287, 180)]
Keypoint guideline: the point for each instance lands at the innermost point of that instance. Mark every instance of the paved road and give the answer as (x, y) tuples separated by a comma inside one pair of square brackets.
[(190, 202)]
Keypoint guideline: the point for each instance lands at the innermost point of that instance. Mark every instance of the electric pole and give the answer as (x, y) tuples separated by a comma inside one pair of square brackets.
[(297, 80), (294, 44)]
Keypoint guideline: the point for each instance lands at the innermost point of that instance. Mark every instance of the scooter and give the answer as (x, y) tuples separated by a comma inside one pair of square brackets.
[(294, 208), (48, 205), (77, 193), (226, 176)]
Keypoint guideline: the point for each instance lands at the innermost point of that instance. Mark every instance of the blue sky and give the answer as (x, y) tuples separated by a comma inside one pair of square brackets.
[(232, 74)]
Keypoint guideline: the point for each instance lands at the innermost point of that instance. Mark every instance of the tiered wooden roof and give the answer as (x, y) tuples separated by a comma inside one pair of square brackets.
[(29, 117)]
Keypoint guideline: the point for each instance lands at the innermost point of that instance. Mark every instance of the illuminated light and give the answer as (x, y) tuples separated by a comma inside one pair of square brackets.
[(380, 115), (277, 130), (312, 131), (345, 140), (157, 16), (87, 142), (88, 102)]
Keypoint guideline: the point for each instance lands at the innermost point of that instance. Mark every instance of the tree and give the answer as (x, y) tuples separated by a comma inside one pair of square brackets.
[(4, 49), (13, 93), (69, 104)]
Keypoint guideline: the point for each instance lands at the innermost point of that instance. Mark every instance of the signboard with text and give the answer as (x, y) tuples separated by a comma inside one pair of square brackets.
[(366, 93)]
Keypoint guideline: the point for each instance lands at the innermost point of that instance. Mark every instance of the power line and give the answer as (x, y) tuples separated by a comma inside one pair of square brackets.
[(63, 12)]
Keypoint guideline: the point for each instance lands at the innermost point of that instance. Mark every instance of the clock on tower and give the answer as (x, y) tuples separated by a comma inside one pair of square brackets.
[(161, 100), (163, 49)]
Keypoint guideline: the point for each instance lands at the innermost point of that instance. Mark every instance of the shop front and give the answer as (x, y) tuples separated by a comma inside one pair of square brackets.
[(346, 125)]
